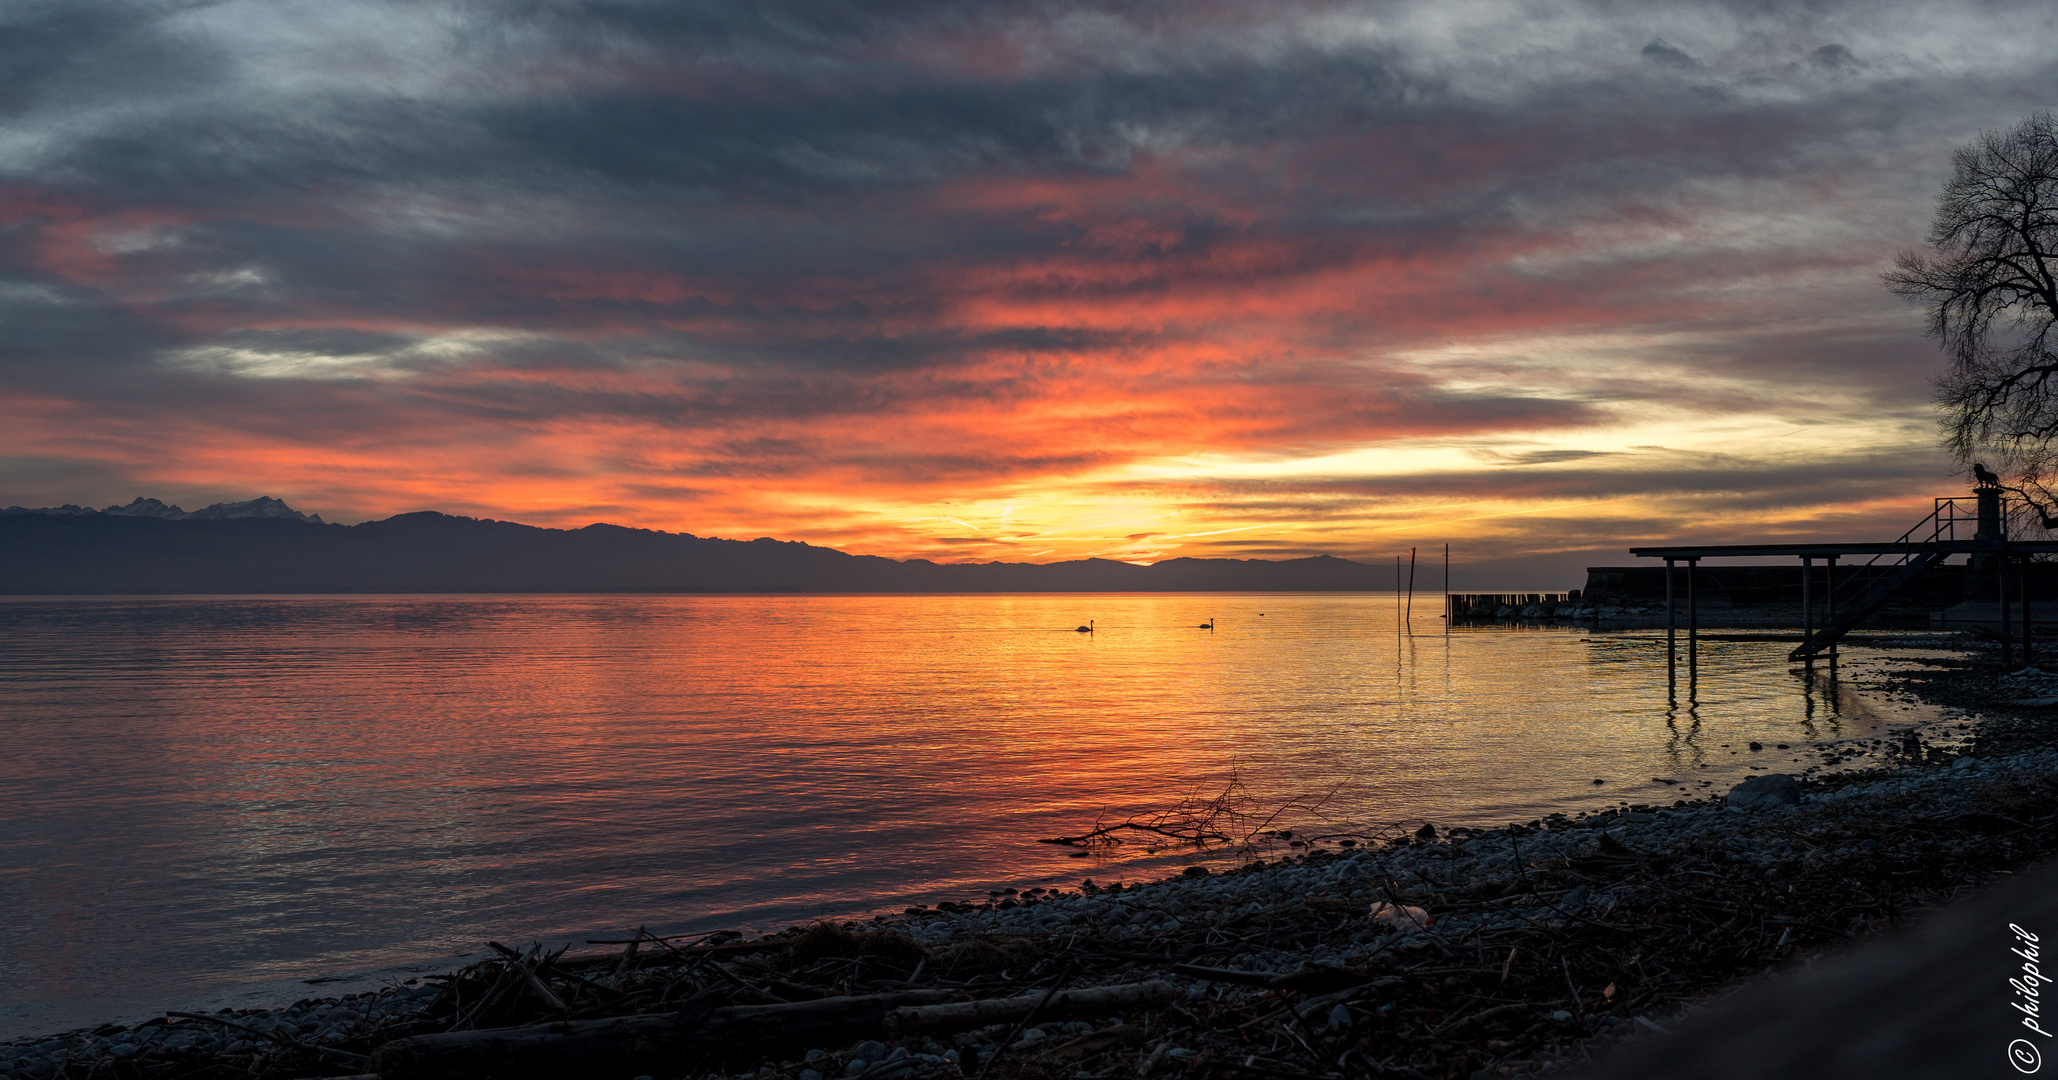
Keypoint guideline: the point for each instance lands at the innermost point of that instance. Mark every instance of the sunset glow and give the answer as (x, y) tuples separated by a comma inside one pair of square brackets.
[(978, 283)]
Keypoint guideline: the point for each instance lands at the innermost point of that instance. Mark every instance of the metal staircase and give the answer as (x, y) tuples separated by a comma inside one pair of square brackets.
[(1869, 586)]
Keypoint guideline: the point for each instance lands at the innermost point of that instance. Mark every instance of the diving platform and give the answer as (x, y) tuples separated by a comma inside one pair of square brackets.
[(1845, 591)]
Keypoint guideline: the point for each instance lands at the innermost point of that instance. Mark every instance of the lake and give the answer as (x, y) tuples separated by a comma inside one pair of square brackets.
[(211, 801)]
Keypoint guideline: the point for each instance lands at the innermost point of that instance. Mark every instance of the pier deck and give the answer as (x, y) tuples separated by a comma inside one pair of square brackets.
[(1693, 552), (1867, 586)]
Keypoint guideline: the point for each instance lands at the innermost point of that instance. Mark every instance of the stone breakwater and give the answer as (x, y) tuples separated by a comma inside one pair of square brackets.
[(1544, 941), (1557, 607)]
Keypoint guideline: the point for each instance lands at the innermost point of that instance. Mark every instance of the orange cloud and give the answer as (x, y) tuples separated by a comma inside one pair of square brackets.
[(997, 285)]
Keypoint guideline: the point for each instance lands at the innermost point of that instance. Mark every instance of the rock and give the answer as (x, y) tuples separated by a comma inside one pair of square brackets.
[(1764, 792), (1401, 916)]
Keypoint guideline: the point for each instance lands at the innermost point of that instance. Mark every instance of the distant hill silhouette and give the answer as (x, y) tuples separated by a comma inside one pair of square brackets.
[(263, 546), (264, 506)]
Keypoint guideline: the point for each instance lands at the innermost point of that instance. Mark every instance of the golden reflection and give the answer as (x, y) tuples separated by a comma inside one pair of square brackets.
[(341, 779)]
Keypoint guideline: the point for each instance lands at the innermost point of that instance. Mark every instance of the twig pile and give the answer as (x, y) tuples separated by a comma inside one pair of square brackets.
[(1234, 819)]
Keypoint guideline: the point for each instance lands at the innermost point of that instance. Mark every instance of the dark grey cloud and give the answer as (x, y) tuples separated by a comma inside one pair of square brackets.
[(368, 215), (641, 143), (1658, 52), (60, 57), (1554, 457), (1833, 57)]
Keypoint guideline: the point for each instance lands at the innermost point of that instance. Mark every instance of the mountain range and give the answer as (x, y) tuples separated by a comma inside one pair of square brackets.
[(264, 546), (264, 506)]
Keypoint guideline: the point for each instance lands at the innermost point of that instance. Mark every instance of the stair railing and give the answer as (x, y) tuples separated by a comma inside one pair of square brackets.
[(1855, 579)]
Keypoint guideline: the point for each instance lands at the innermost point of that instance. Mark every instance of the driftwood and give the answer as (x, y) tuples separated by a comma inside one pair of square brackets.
[(632, 1044), (615, 1044), (527, 967), (1308, 979), (357, 1059), (1096, 1001), (1233, 817)]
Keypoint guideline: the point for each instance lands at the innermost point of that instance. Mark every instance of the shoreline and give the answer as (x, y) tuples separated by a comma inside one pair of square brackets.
[(1250, 951)]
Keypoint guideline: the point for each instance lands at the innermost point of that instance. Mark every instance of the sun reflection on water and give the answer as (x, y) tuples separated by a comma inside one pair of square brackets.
[(214, 792)]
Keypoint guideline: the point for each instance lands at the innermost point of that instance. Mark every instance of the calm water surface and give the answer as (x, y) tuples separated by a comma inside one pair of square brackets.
[(208, 801)]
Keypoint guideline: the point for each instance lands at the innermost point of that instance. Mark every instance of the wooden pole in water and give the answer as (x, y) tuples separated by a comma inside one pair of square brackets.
[(1410, 617), (1446, 590)]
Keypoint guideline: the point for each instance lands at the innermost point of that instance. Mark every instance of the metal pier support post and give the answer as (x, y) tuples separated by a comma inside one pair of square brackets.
[(1671, 637), (2022, 586), (1807, 604), (2007, 631), (1693, 622), (1829, 602)]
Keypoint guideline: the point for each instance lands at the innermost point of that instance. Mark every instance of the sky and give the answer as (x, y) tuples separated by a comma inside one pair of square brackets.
[(970, 280)]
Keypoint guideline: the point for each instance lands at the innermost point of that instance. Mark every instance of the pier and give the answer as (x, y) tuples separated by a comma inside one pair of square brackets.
[(1844, 591)]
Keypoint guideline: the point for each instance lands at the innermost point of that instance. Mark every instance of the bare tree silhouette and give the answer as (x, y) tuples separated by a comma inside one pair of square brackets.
[(1990, 286)]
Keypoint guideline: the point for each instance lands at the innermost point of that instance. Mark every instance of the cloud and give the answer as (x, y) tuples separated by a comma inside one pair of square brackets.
[(1833, 57), (1550, 457), (1657, 52), (818, 270)]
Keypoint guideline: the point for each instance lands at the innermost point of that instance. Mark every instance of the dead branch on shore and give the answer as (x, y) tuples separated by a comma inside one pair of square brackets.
[(1233, 818), (1197, 820)]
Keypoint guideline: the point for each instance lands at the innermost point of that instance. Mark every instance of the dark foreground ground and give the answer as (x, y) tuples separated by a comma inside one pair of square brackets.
[(1520, 950)]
